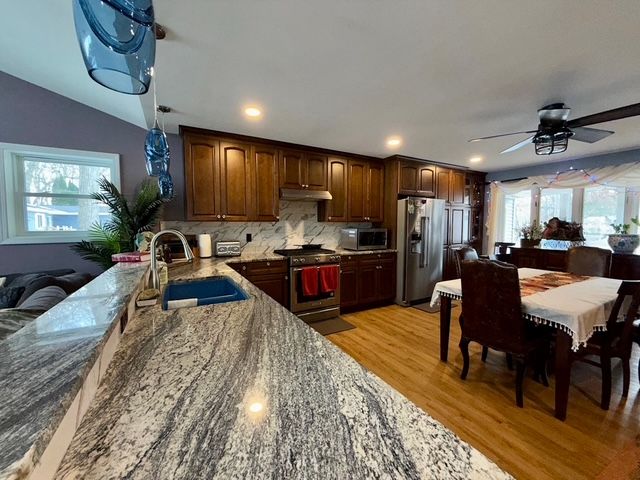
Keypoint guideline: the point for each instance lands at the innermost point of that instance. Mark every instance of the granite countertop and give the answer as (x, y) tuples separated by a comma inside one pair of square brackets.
[(342, 251), (43, 365), (247, 390)]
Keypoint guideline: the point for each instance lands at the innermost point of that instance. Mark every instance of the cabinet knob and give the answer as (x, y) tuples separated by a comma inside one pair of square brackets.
[(268, 264), (244, 267), (218, 216), (224, 216), (286, 277), (277, 217)]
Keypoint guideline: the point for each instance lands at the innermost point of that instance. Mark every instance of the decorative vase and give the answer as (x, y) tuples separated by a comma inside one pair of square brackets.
[(156, 150), (623, 242), (140, 11), (118, 51), (529, 243)]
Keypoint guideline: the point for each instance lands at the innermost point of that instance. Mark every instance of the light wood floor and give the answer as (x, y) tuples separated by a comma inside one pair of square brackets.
[(400, 345)]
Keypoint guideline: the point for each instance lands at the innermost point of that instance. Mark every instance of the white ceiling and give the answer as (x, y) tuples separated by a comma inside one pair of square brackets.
[(347, 74)]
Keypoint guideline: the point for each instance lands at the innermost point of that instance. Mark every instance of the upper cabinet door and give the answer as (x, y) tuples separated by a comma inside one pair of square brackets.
[(337, 208), (375, 192), (265, 177), (457, 187), (201, 177), (292, 169), (407, 178), (442, 183), (235, 181), (316, 172), (357, 179), (427, 180)]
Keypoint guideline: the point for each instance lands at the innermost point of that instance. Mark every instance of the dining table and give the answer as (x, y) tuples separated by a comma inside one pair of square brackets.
[(575, 306)]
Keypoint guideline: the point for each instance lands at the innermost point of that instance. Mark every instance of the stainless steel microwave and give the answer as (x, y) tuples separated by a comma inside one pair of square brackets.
[(363, 238)]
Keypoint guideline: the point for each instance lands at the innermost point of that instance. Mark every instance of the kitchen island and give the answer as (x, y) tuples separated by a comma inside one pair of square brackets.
[(247, 390)]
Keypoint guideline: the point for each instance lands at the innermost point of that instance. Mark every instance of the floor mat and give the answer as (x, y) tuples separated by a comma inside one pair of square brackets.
[(332, 325), (425, 307)]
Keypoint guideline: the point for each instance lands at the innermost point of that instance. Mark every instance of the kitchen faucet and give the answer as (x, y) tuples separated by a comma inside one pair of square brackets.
[(155, 279)]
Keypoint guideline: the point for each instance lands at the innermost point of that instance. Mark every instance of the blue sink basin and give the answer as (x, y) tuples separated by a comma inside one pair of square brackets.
[(202, 291)]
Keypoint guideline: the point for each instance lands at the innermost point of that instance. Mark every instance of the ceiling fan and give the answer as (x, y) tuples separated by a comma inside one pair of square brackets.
[(555, 130)]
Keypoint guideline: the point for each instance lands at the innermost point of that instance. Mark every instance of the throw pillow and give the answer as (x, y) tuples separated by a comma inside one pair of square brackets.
[(25, 279), (44, 299), (9, 296), (69, 283)]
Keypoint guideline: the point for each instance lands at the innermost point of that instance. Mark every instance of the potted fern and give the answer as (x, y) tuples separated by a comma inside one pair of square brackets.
[(622, 241), (128, 220)]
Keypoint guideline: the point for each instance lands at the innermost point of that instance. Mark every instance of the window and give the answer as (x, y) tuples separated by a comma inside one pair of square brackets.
[(517, 214), (47, 192), (556, 202), (602, 207)]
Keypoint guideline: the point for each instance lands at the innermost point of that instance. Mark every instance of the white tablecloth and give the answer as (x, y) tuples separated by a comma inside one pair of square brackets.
[(580, 309)]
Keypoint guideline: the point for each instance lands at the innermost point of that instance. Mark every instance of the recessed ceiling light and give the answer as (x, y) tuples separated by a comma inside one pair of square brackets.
[(475, 159), (252, 112), (256, 407), (394, 141)]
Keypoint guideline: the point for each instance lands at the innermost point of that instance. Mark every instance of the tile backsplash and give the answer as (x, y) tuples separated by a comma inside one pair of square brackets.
[(298, 224)]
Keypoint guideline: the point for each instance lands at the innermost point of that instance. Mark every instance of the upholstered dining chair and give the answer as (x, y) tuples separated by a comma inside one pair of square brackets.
[(462, 254), (616, 341), (592, 261), (492, 316)]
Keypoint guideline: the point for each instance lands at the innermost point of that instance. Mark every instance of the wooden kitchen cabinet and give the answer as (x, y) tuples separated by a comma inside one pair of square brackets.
[(201, 172), (416, 178), (221, 177), (348, 282), (235, 181), (368, 280), (336, 210), (265, 183), (271, 276), (301, 170), (365, 191)]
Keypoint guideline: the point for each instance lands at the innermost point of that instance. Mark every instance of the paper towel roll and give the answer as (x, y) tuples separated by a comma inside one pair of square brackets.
[(204, 245)]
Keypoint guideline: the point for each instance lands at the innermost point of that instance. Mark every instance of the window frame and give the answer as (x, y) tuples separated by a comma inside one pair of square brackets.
[(631, 207), (11, 211)]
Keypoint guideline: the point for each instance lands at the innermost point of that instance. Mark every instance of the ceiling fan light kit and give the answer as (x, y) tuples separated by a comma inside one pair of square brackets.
[(549, 142)]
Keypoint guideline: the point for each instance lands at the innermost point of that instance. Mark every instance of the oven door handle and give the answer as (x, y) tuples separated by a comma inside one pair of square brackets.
[(304, 268)]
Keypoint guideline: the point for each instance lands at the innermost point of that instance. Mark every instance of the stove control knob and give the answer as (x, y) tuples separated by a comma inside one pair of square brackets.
[(295, 260), (302, 260)]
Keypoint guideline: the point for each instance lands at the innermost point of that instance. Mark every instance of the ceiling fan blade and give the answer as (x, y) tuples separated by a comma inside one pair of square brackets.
[(590, 135), (608, 116), (501, 135), (515, 147)]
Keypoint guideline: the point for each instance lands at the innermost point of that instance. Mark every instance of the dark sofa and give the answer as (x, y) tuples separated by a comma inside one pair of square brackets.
[(26, 296)]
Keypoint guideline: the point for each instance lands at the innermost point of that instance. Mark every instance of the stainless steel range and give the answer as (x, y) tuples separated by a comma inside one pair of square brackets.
[(317, 307)]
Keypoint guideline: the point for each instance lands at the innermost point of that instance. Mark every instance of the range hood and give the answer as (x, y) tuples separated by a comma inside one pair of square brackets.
[(304, 195)]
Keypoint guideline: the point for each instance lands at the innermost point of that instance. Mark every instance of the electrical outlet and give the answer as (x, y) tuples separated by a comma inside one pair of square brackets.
[(249, 237)]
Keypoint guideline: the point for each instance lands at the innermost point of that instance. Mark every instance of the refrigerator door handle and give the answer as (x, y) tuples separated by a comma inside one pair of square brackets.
[(425, 240), (423, 252)]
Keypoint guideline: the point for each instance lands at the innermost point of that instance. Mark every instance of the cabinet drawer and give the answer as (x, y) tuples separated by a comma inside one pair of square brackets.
[(348, 260), (264, 267), (376, 257)]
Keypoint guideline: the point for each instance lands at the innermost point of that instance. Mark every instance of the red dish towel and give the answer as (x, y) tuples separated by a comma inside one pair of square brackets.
[(329, 278), (309, 277)]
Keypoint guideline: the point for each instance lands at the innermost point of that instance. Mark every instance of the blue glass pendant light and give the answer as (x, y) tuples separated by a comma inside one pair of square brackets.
[(165, 184), (139, 10), (118, 51), (156, 150)]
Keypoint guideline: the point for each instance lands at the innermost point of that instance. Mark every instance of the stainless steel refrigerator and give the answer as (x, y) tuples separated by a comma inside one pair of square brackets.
[(420, 244)]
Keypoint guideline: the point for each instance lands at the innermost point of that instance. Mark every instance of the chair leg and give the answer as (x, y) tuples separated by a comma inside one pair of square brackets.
[(485, 351), (541, 367), (626, 377), (520, 371), (605, 365), (510, 362), (464, 348)]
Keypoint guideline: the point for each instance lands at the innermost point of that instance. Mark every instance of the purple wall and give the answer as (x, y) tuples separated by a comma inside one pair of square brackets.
[(34, 116)]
